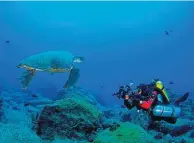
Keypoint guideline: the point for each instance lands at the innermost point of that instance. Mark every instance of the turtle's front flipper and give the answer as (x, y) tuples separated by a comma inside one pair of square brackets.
[(73, 78), (26, 78)]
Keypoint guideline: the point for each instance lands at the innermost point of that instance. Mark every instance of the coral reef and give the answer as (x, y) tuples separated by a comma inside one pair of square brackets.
[(76, 117)]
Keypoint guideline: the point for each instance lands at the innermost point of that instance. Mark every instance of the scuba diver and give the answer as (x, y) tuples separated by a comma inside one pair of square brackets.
[(154, 99)]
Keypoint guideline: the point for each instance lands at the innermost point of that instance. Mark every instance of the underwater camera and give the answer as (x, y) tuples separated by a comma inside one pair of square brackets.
[(123, 90)]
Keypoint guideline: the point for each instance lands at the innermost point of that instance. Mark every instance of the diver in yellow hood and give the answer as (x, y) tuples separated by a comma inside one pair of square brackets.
[(154, 98)]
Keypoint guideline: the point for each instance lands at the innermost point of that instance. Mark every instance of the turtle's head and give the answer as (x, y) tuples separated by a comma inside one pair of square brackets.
[(78, 59), (20, 66)]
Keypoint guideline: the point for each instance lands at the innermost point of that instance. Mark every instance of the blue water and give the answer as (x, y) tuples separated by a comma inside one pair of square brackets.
[(121, 41)]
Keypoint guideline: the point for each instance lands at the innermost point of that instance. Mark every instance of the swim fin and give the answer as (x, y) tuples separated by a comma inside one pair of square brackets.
[(181, 99)]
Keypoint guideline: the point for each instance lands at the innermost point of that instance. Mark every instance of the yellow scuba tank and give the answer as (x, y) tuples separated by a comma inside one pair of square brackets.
[(160, 87)]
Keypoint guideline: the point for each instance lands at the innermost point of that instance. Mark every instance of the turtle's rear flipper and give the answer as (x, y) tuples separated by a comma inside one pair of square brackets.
[(181, 99), (26, 78), (73, 78)]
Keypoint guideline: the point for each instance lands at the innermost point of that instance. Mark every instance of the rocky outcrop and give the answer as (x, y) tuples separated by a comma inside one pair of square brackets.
[(68, 118), (1, 108), (125, 133), (17, 133), (77, 93), (18, 100), (182, 127)]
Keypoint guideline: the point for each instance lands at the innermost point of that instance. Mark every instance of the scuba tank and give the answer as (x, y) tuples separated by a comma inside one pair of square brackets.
[(166, 111)]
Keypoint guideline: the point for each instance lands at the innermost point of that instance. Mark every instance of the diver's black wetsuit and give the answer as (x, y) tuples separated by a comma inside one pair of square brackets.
[(128, 104), (147, 91)]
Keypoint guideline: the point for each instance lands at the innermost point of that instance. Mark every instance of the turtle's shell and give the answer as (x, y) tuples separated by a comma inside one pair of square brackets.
[(49, 60)]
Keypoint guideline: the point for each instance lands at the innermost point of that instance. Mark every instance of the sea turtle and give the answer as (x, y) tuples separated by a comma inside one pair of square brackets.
[(53, 62)]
